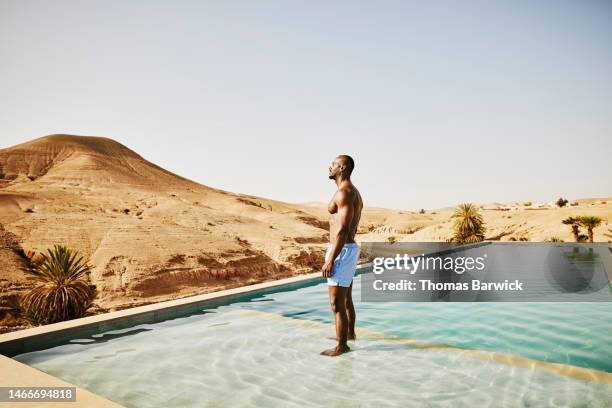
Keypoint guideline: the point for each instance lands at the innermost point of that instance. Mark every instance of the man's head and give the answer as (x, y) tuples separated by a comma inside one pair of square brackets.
[(343, 166)]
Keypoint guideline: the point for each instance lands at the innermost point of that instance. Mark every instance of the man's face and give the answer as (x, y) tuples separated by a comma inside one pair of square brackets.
[(335, 169)]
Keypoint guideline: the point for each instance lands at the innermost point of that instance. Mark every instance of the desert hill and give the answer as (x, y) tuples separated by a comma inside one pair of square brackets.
[(150, 234), (79, 161)]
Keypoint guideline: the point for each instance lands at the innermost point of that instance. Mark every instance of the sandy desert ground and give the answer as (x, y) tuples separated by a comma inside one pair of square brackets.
[(152, 235)]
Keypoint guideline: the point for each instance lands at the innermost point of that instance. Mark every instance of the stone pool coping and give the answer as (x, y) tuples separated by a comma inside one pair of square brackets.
[(18, 375)]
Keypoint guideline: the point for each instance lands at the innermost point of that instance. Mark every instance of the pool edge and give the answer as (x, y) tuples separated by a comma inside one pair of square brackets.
[(19, 375)]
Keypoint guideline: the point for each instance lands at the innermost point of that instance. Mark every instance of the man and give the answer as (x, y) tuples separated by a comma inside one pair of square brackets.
[(342, 252)]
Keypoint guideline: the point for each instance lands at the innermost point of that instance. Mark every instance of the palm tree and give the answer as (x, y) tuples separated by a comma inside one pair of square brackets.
[(609, 233), (469, 225), (64, 292), (575, 224), (590, 222)]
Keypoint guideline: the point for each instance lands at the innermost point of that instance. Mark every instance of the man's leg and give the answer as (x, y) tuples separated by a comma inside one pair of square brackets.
[(337, 299), (350, 313)]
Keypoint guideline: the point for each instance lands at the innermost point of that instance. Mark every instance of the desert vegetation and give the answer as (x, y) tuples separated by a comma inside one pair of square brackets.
[(469, 225), (575, 225), (587, 222), (590, 222), (63, 292)]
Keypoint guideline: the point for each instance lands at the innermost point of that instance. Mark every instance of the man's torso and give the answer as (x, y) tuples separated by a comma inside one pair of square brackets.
[(334, 222)]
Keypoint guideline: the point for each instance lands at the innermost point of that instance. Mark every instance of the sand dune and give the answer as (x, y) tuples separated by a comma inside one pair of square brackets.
[(152, 235)]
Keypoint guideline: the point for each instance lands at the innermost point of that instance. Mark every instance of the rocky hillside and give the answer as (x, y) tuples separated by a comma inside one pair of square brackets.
[(150, 234)]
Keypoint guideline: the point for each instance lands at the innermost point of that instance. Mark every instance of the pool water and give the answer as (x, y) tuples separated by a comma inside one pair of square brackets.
[(569, 333), (265, 352)]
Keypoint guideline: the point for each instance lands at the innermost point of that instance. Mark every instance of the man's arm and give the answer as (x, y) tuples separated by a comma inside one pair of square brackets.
[(345, 216)]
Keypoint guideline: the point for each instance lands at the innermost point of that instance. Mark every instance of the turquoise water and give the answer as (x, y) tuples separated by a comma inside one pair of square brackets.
[(569, 333), (264, 352)]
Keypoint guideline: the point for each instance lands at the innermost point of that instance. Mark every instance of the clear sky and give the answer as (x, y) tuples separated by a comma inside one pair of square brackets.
[(439, 102)]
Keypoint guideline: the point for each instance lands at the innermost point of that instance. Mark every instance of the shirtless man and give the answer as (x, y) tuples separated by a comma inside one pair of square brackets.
[(342, 252)]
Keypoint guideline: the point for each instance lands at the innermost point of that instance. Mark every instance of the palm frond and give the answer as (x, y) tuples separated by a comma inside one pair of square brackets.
[(590, 221), (469, 225), (64, 292)]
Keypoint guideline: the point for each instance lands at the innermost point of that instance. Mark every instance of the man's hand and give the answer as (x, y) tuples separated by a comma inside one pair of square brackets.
[(328, 269)]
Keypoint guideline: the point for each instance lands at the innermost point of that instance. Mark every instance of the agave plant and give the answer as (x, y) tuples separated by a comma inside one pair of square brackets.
[(575, 224), (469, 225), (590, 222), (64, 292)]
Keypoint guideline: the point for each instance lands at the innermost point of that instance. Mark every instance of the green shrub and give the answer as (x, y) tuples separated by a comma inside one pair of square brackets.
[(562, 202), (469, 225), (64, 292)]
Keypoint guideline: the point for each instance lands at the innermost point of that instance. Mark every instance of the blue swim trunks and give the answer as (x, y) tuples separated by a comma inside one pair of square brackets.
[(344, 265)]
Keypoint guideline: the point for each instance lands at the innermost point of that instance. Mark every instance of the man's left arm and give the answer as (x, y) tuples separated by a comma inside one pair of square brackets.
[(345, 216)]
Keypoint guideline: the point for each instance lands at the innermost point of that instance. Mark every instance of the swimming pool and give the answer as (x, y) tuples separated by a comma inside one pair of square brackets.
[(264, 351)]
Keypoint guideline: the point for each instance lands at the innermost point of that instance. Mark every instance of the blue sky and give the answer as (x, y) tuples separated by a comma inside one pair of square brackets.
[(439, 102)]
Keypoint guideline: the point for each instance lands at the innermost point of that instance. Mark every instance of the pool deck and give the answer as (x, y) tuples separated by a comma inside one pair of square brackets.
[(15, 374)]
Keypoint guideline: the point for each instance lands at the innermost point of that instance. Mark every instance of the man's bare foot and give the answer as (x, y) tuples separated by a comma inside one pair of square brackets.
[(336, 351), (351, 336)]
